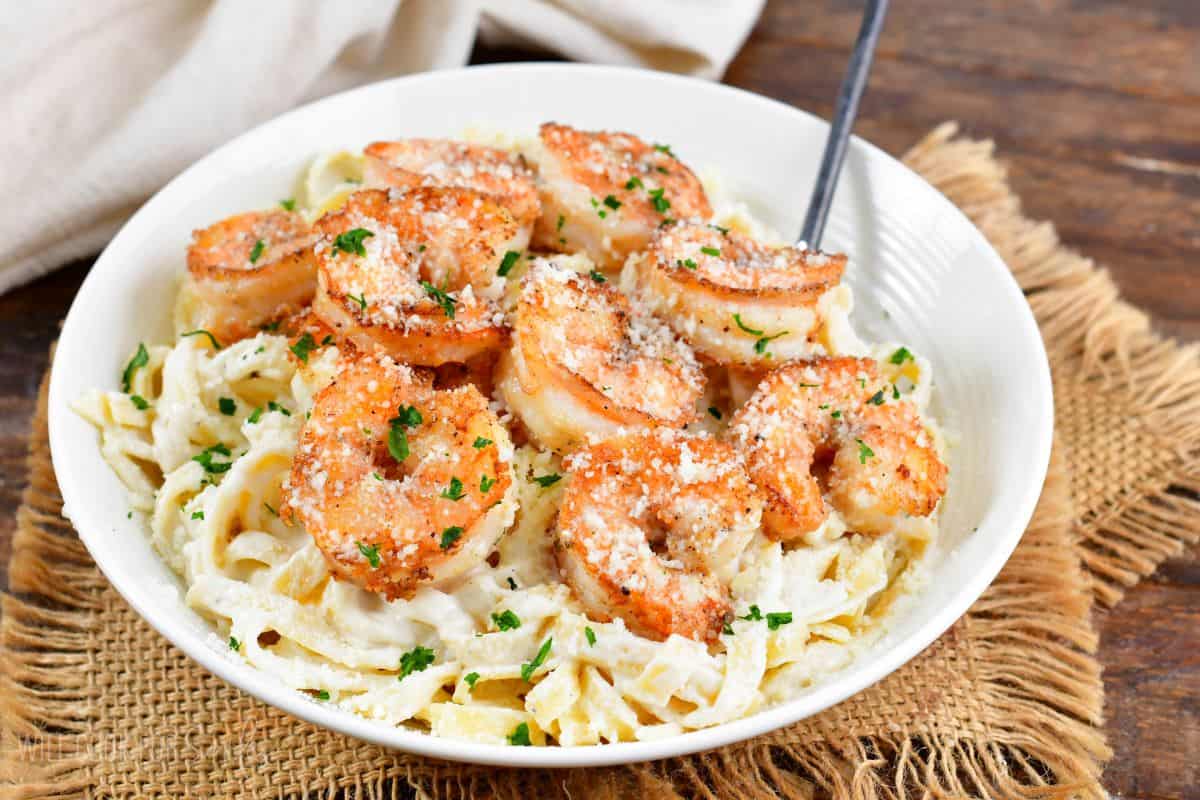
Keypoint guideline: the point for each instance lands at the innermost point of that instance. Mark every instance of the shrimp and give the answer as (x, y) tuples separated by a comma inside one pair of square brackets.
[(400, 485), (651, 528), (584, 360), (417, 274), (735, 300), (884, 466), (502, 175), (606, 193), (249, 270)]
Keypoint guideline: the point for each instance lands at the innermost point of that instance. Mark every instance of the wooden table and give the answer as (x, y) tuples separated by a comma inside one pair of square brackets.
[(1095, 107)]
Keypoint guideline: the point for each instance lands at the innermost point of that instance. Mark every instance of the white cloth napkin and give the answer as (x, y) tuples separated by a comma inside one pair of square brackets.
[(104, 101)]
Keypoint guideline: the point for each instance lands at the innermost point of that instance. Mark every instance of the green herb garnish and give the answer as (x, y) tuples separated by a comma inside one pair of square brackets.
[(547, 480), (273, 406), (714, 412), (612, 202), (198, 515), (470, 679), (450, 536), (507, 621), (201, 332), (322, 695), (446, 301), (371, 554), (351, 242), (744, 327), (591, 636), (234, 644), (777, 618), (754, 615), (255, 416), (634, 183), (303, 346), (227, 406), (415, 660), (481, 443), (710, 251), (527, 670), (140, 359), (454, 491), (864, 452), (361, 300), (257, 251), (486, 484), (900, 356), (596, 276), (520, 736), (205, 459), (506, 264), (139, 402), (289, 204), (877, 398), (660, 203)]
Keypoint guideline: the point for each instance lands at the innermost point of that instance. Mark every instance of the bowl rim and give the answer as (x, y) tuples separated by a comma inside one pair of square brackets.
[(258, 684)]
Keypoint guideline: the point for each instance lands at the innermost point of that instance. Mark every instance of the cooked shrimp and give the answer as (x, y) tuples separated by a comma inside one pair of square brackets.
[(734, 299), (584, 361), (416, 273), (884, 463), (606, 193), (249, 270), (651, 528), (502, 175), (399, 484)]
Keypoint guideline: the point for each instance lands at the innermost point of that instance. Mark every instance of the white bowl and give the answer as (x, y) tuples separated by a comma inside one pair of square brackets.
[(922, 274)]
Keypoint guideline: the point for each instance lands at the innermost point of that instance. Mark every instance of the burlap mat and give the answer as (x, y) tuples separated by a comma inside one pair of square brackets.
[(1006, 704)]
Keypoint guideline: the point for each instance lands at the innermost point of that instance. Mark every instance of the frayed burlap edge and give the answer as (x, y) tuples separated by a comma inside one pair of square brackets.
[(1098, 344), (1036, 714)]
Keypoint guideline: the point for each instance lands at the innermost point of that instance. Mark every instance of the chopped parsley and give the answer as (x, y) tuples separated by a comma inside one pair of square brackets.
[(511, 583), (864, 452), (446, 301), (303, 346), (612, 202), (714, 412), (257, 251), (711, 251), (273, 406), (520, 735), (416, 660), (506, 265), (721, 230), (664, 148), (777, 618), (201, 332), (746, 328), (351, 242), (596, 276), (140, 359), (271, 327), (268, 507), (289, 203), (470, 679), (255, 416), (486, 484), (591, 636), (481, 442), (690, 263), (406, 417), (361, 300), (376, 476), (836, 413), (877, 398), (900, 356), (454, 491), (528, 669), (234, 644), (760, 346), (558, 225), (547, 480), (322, 695), (895, 392), (371, 554), (660, 203), (450, 536), (507, 621), (139, 402), (634, 183), (600, 211), (727, 629), (198, 515), (754, 616), (205, 459), (227, 406), (327, 340)]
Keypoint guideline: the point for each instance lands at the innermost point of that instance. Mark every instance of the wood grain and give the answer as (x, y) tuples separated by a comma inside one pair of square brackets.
[(1095, 108)]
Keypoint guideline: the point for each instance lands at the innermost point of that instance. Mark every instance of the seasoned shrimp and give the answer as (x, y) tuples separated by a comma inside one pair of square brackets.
[(249, 270), (502, 175), (606, 193), (651, 528), (416, 274), (734, 299), (584, 361), (399, 484), (884, 463)]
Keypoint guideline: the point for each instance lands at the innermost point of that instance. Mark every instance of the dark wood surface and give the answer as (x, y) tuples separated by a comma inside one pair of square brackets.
[(1095, 107)]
